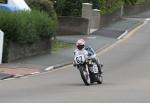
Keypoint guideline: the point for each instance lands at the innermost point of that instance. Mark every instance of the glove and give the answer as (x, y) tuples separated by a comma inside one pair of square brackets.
[(74, 64), (89, 54)]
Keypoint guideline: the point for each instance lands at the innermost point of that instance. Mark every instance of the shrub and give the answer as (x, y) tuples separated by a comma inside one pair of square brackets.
[(130, 2), (68, 7), (110, 6), (43, 5), (73, 7), (25, 27), (133, 2)]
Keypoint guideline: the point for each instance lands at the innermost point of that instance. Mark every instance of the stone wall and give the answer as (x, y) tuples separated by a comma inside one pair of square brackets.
[(72, 26), (95, 21), (87, 13), (18, 51), (131, 10)]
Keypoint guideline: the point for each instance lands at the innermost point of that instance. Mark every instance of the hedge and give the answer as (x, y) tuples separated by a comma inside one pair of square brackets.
[(73, 7), (133, 2), (25, 27), (110, 6), (43, 5)]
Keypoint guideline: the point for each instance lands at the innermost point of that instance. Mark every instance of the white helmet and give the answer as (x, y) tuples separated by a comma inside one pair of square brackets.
[(80, 44)]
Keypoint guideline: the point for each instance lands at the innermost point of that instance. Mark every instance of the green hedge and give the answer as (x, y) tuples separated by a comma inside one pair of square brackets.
[(73, 7), (68, 7), (43, 5), (133, 2), (25, 27), (110, 6)]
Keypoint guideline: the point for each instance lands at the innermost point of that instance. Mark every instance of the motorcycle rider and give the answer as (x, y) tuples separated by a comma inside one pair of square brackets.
[(89, 52)]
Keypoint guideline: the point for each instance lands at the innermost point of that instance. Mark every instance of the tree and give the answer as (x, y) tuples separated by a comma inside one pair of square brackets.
[(108, 6), (73, 7), (130, 2)]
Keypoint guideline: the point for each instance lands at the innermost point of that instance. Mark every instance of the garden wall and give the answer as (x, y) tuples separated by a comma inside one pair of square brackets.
[(72, 26), (107, 19), (18, 51), (135, 9)]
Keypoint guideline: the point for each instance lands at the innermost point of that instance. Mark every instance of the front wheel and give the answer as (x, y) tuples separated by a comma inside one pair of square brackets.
[(99, 79), (85, 75)]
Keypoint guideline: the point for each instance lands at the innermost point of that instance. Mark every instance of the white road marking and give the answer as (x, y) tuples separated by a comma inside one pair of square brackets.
[(129, 34), (9, 79), (135, 30), (91, 37), (49, 68), (148, 19), (121, 36), (50, 71), (35, 73)]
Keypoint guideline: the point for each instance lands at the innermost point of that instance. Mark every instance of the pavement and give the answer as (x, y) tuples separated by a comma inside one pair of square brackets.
[(99, 40)]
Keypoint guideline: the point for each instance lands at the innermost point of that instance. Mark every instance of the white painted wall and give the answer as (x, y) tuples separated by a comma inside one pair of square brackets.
[(95, 21), (87, 13), (93, 15), (21, 4), (1, 45)]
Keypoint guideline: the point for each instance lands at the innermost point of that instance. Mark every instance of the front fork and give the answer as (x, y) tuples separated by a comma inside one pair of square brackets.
[(84, 67)]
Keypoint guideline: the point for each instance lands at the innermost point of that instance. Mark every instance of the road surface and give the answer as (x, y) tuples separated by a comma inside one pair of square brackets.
[(126, 78)]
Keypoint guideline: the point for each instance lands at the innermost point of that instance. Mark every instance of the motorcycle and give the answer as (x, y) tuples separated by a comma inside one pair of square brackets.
[(88, 69)]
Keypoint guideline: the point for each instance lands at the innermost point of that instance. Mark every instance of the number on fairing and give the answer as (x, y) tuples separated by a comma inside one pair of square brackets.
[(95, 68), (79, 59)]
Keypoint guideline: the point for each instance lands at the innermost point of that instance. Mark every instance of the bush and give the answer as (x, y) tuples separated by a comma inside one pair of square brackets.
[(68, 7), (73, 7), (43, 5), (110, 6), (25, 27), (133, 2)]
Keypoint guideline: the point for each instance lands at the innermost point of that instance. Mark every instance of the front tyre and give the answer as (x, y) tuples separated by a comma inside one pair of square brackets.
[(99, 79), (85, 75)]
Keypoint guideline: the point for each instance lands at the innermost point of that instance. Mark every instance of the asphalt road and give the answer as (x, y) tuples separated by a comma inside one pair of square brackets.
[(126, 78)]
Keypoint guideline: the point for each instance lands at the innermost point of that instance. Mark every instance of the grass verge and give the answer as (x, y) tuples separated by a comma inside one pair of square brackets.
[(57, 45)]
